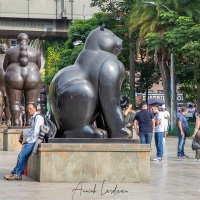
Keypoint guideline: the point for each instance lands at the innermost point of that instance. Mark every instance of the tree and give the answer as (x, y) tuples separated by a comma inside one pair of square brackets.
[(150, 19), (185, 40), (149, 75), (51, 51), (146, 19)]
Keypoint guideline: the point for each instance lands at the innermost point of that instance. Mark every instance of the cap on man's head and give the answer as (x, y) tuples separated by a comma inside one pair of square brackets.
[(163, 106)]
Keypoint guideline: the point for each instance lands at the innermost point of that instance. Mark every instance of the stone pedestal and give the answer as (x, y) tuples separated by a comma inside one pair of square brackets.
[(11, 138), (90, 163), (2, 130)]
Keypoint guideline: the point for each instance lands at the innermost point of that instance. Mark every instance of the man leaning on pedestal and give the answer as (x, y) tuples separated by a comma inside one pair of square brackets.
[(28, 144)]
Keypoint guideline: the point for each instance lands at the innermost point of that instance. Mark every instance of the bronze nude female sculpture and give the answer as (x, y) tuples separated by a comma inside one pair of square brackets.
[(3, 98), (90, 88), (22, 64)]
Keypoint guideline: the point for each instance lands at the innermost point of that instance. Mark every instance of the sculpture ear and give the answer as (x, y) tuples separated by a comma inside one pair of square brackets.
[(102, 27)]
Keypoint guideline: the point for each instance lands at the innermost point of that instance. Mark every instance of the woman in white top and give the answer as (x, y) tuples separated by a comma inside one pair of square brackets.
[(196, 135)]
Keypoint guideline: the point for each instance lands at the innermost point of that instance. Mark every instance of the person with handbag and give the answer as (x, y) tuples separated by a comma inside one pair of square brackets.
[(182, 125), (196, 135)]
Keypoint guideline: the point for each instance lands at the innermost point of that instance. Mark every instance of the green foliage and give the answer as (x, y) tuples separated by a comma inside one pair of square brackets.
[(149, 75), (153, 40), (51, 52)]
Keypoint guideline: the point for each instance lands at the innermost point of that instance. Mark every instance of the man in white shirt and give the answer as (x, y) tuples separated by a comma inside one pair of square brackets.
[(159, 132), (28, 145), (166, 119), (166, 122)]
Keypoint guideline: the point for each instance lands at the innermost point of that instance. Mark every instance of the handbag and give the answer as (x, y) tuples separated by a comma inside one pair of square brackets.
[(195, 145), (186, 132)]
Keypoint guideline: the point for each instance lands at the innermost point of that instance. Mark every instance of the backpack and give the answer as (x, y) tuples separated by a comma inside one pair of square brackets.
[(52, 128)]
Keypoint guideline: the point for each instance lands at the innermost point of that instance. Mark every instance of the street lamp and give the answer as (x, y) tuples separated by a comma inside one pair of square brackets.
[(171, 75)]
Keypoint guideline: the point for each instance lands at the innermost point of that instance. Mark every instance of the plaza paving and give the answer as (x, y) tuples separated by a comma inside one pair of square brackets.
[(170, 179)]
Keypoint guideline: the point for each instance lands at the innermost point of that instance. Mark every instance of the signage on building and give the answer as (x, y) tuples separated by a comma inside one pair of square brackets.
[(161, 96)]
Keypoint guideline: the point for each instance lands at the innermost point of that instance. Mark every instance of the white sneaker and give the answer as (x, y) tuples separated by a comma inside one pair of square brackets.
[(156, 159)]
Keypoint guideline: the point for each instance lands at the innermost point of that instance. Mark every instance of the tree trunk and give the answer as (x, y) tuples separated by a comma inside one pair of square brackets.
[(147, 94), (132, 74), (160, 59)]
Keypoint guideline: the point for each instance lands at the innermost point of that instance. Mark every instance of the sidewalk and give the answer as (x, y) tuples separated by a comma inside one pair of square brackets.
[(171, 179)]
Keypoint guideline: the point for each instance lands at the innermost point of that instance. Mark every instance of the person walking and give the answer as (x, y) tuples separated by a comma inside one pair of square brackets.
[(28, 144), (159, 132), (196, 135), (182, 124), (145, 120)]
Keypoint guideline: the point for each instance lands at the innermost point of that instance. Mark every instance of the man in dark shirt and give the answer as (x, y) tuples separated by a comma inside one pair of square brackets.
[(182, 124), (145, 120)]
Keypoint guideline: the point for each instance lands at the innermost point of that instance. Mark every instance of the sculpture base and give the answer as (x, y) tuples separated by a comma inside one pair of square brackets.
[(2, 130), (11, 138), (93, 140), (90, 163)]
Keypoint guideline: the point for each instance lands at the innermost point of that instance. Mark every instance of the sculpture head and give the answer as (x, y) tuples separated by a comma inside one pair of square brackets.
[(3, 48), (105, 40), (23, 37)]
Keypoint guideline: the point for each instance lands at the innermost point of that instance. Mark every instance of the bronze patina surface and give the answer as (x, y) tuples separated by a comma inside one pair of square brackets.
[(22, 64)]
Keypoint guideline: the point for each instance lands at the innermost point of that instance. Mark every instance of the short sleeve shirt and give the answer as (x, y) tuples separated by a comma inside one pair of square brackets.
[(181, 118), (159, 127), (144, 118), (166, 114)]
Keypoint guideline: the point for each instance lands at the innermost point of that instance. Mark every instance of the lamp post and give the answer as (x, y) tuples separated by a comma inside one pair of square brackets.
[(171, 75)]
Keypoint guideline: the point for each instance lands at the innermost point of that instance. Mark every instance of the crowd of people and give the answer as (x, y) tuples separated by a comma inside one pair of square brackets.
[(149, 122)]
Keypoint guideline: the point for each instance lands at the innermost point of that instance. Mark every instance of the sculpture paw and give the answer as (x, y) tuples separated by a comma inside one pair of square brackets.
[(127, 133)]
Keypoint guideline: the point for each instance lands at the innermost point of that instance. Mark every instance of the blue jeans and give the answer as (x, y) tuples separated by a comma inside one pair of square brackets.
[(145, 138), (159, 143), (181, 144), (23, 159)]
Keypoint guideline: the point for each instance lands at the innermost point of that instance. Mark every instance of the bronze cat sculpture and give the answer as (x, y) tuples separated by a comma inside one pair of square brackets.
[(91, 87)]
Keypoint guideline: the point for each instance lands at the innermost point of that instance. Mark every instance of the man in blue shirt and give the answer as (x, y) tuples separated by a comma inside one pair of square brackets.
[(28, 144), (182, 123), (145, 120)]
